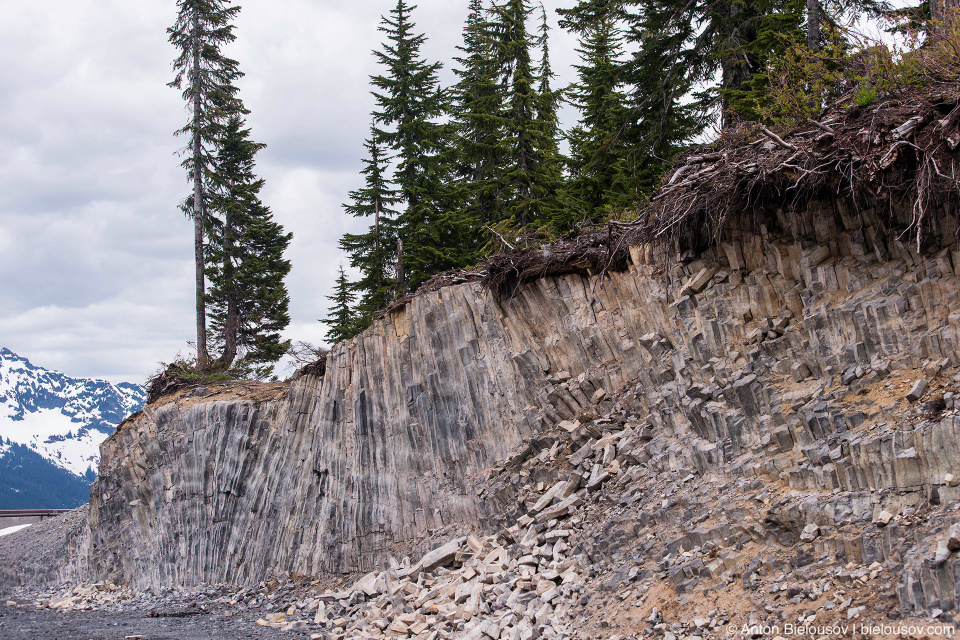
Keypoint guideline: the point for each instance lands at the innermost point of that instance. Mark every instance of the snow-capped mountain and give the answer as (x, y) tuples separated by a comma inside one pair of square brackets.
[(61, 419)]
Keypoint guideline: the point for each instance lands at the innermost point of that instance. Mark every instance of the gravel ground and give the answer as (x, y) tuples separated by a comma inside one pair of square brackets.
[(27, 623)]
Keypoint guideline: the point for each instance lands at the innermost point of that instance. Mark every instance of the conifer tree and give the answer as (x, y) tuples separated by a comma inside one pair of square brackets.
[(686, 44), (248, 299), (410, 105), (600, 169), (372, 252), (661, 75), (550, 162), (476, 108), (206, 78), (690, 43), (675, 46), (530, 173), (942, 12), (341, 316)]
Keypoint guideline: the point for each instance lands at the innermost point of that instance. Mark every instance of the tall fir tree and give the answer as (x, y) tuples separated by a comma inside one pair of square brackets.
[(661, 75), (206, 78), (684, 44), (372, 252), (530, 166), (677, 48), (600, 168), (248, 300), (341, 319), (476, 109), (943, 13), (549, 161), (410, 107)]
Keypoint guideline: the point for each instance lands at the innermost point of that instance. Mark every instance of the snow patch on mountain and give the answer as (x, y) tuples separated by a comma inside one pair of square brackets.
[(63, 419)]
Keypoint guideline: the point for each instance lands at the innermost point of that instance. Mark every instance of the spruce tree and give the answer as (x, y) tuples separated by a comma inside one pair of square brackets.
[(682, 45), (410, 105), (249, 304), (691, 43), (341, 318), (661, 75), (476, 108), (372, 252), (549, 161), (601, 176), (673, 51), (943, 12), (530, 173), (206, 78)]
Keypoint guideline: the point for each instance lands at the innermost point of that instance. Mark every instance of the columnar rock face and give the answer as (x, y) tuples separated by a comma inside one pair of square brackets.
[(726, 357), (191, 491)]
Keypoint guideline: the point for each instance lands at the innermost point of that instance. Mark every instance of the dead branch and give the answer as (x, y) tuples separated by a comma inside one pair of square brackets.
[(950, 120), (822, 127), (707, 157), (679, 172), (906, 128), (502, 239), (626, 225), (777, 139)]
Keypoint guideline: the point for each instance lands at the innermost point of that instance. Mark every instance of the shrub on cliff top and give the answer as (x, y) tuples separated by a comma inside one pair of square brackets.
[(800, 83), (182, 374)]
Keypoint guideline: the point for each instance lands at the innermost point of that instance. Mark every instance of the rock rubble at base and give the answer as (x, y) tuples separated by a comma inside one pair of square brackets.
[(605, 540)]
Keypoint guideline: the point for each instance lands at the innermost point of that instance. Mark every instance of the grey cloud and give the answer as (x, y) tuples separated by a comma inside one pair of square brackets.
[(95, 257)]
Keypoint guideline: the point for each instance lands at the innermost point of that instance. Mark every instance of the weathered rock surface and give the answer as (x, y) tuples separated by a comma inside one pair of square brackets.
[(778, 366)]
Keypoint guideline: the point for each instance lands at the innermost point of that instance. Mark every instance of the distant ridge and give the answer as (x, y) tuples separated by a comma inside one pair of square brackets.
[(51, 427)]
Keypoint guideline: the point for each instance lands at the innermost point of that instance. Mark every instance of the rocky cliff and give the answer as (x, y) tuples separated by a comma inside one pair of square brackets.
[(789, 384), (761, 358)]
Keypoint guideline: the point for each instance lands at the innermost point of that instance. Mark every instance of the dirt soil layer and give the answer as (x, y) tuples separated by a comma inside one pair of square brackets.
[(27, 623)]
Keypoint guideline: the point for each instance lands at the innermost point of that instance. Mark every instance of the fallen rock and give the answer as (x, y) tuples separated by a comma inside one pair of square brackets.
[(441, 556), (884, 518), (918, 390), (810, 533)]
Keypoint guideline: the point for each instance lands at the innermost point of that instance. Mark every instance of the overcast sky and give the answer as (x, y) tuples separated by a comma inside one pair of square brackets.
[(96, 259)]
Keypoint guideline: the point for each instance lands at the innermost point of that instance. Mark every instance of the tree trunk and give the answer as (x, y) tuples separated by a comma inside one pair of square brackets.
[(231, 324), (203, 355), (813, 25), (944, 11), (376, 244), (401, 285)]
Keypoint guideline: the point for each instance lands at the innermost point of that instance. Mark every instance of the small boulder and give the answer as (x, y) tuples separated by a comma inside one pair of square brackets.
[(918, 390), (942, 554), (883, 519), (810, 533), (441, 556)]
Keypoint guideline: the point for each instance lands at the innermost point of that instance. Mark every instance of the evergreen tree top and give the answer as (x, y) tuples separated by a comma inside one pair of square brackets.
[(201, 29), (376, 196), (409, 78)]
